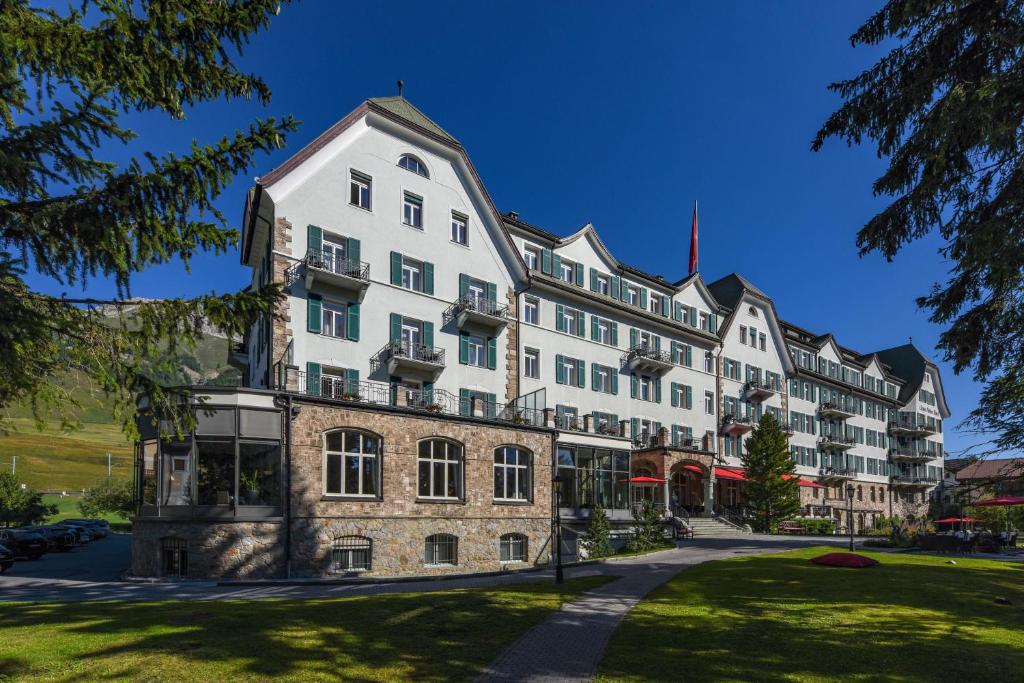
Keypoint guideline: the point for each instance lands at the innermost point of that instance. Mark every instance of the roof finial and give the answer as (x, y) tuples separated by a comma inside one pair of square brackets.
[(910, 339), (400, 86)]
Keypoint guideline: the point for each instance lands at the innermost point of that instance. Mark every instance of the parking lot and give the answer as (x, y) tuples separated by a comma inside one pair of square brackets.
[(101, 560)]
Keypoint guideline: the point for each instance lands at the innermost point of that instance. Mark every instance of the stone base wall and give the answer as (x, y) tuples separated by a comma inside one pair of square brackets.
[(238, 550), (875, 501)]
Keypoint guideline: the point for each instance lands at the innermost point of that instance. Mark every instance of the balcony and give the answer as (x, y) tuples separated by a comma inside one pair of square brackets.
[(903, 454), (756, 390), (733, 425), (647, 359), (325, 268), (401, 358), (478, 311), (911, 425), (836, 442), (786, 428), (569, 423), (836, 411), (836, 475), (912, 481)]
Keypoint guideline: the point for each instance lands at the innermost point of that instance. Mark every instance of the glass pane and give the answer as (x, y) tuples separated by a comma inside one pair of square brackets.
[(499, 482), (264, 424), (523, 484), (147, 465), (334, 441), (215, 463), (369, 476), (259, 474), (333, 474), (215, 421), (176, 469), (352, 474), (424, 478)]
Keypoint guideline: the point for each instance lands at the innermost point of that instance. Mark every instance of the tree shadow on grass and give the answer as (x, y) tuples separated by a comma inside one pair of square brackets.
[(437, 636), (781, 617)]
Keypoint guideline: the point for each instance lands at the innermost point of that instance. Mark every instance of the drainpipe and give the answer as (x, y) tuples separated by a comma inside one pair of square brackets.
[(287, 484)]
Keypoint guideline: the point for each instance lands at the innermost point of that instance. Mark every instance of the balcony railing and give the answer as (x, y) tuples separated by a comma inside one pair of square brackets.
[(837, 441), (759, 389), (737, 424), (648, 358), (840, 409), (911, 454), (834, 473), (912, 423), (328, 262), (569, 423), (342, 389), (477, 308), (399, 354), (913, 480)]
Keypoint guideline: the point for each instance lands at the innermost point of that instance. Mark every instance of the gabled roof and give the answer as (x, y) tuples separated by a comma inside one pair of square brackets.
[(403, 108), (910, 364), (729, 290), (1004, 468)]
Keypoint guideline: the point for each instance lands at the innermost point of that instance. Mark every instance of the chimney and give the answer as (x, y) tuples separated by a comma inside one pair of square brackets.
[(514, 215), (401, 85)]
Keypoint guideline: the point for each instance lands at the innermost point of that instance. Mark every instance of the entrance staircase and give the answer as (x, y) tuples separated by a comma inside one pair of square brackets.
[(712, 526)]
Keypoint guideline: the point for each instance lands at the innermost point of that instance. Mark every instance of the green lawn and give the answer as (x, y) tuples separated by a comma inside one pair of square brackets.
[(781, 618), (441, 636), (67, 507)]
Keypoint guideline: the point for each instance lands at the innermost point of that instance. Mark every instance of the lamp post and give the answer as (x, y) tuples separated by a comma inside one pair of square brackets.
[(849, 519), (556, 485)]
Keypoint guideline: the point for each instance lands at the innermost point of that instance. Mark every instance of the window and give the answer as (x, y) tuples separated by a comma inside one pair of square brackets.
[(441, 550), (412, 334), (459, 228), (215, 463), (646, 392), (654, 303), (351, 554), (709, 362), (352, 463), (412, 274), (512, 473), (603, 378), (531, 310), (334, 251), (603, 285), (753, 337), (412, 210), (633, 296), (743, 334), (477, 353), (709, 403), (571, 371), (259, 474), (531, 363), (761, 339), (174, 556), (703, 321), (567, 271), (411, 163), (359, 190), (440, 469), (604, 330), (332, 319), (571, 321), (531, 256), (512, 548)]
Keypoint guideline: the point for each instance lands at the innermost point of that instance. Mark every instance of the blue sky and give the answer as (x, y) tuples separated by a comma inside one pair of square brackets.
[(591, 112)]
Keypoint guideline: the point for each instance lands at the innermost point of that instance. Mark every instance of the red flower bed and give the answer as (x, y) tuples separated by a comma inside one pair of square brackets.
[(851, 560)]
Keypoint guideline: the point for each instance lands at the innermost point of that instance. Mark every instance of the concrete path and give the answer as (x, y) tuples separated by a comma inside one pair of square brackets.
[(569, 645)]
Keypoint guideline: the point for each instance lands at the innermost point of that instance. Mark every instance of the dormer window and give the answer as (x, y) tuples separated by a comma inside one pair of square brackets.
[(411, 163)]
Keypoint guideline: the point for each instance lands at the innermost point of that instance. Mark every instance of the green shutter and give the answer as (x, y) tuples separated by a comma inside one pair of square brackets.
[(491, 409), (579, 274), (352, 249), (657, 390), (615, 381), (581, 324), (593, 375), (545, 261), (581, 374), (396, 327), (463, 285), (464, 347), (313, 379), (314, 313), (634, 427), (687, 355), (556, 266), (675, 395), (713, 323), (352, 326), (624, 291), (396, 268), (693, 316), (678, 312), (657, 429), (428, 392), (615, 290), (632, 337), (688, 397), (352, 381), (615, 333), (593, 280), (633, 384), (428, 278), (559, 319), (492, 353), (464, 407), (559, 370), (593, 328), (665, 306), (643, 298), (657, 343), (428, 335), (675, 352), (314, 238), (492, 294)]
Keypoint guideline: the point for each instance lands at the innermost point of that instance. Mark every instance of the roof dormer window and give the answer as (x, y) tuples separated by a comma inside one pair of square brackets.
[(411, 163)]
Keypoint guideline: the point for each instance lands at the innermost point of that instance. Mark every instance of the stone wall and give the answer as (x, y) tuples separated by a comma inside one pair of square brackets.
[(884, 503), (244, 550), (282, 331)]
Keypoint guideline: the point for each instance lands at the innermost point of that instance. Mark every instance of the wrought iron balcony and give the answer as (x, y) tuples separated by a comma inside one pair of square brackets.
[(904, 454), (913, 480), (477, 310), (839, 410), (341, 389), (836, 474), (911, 424), (399, 357), (569, 423), (325, 268), (758, 390), (645, 358), (836, 441), (734, 425)]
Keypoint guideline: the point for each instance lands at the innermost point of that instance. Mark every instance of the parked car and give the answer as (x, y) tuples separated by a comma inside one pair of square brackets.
[(23, 543), (57, 538), (82, 534), (6, 559), (99, 527)]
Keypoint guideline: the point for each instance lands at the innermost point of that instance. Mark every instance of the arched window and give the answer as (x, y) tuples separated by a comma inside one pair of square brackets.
[(512, 548), (881, 494), (352, 463), (351, 554), (174, 556), (441, 550), (872, 491), (440, 469), (860, 493), (512, 470), (411, 163)]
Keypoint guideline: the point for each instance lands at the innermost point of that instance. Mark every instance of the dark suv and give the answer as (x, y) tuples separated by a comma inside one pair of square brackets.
[(57, 538), (100, 528), (23, 543), (6, 559)]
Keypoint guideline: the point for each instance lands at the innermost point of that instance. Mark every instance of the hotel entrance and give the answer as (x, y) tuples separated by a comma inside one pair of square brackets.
[(687, 488)]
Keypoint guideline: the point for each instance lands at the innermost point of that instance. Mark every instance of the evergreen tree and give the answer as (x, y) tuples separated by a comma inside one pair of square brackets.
[(596, 539), (67, 213), (647, 533), (944, 108), (21, 506), (772, 488)]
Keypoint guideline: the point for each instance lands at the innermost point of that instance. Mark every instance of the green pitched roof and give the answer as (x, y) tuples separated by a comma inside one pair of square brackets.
[(401, 107)]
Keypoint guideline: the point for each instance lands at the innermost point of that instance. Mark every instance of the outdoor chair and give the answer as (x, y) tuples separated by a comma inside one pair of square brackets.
[(966, 547)]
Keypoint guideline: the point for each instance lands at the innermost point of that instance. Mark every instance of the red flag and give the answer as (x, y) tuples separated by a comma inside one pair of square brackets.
[(693, 241)]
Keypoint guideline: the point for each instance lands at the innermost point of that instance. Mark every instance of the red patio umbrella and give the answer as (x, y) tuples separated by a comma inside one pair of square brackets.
[(955, 520), (1005, 500)]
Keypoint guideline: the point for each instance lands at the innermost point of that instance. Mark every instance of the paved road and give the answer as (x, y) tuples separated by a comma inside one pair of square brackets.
[(104, 560), (38, 586)]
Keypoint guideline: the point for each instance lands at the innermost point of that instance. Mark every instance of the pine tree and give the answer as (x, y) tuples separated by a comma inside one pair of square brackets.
[(596, 539), (772, 488), (943, 106), (68, 78), (647, 533)]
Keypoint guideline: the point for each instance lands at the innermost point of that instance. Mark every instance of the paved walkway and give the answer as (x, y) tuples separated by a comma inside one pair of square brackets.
[(569, 645)]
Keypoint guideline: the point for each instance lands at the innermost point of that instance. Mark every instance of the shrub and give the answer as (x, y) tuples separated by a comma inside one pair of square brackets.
[(115, 497), (595, 540), (647, 533)]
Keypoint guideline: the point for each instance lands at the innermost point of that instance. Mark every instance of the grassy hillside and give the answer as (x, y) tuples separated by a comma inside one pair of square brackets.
[(58, 460)]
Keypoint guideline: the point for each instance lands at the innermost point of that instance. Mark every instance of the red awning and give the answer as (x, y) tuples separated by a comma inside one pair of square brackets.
[(644, 480), (729, 473), (1005, 500), (693, 468), (804, 482), (955, 520)]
